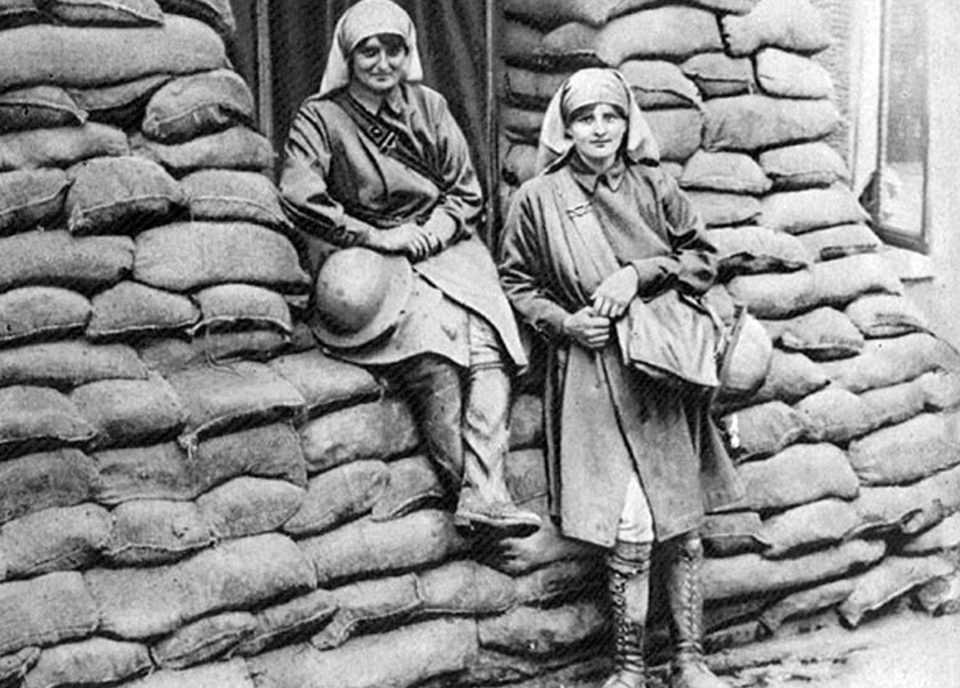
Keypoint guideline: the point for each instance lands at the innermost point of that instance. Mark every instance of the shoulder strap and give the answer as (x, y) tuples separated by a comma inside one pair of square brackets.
[(388, 139)]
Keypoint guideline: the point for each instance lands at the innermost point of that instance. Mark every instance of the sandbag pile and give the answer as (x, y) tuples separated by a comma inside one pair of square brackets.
[(839, 411)]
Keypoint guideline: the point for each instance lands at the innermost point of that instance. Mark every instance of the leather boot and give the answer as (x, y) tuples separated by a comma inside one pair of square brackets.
[(628, 567), (685, 595)]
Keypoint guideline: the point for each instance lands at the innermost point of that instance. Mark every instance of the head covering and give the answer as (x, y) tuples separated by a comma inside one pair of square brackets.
[(361, 21), (589, 87)]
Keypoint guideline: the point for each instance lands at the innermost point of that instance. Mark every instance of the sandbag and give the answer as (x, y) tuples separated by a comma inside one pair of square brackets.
[(377, 430), (826, 521), (559, 582), (337, 496), (526, 421), (521, 125), (203, 640), (92, 56), (677, 131), (912, 508), (905, 452), (897, 403), (465, 587), (190, 255), (886, 362), (729, 534), (749, 250), (219, 398), (598, 12), (519, 163), (891, 578), (119, 104), (39, 107), (659, 84), (405, 657), (59, 147), (764, 430), (749, 363), (212, 347), (104, 12), (788, 75), (120, 195), (797, 212), (724, 171), (794, 25), (941, 390), (943, 536), (232, 674), (775, 295), (939, 596), (823, 334), (412, 484), (32, 418), (799, 474), (216, 13), (236, 148), (525, 472), (542, 632), (130, 308), (238, 574), (325, 382), (718, 209), (55, 539), (231, 195), (249, 506), (838, 242), (836, 415), (88, 662), (520, 556), (126, 412), (805, 603), (718, 75), (752, 574), (35, 482), (367, 606), (753, 122), (153, 531), (34, 312), (790, 378), (57, 258), (280, 622), (69, 363), (227, 306), (884, 315), (46, 610), (29, 198), (15, 13), (369, 548), (198, 104), (803, 166), (531, 89)]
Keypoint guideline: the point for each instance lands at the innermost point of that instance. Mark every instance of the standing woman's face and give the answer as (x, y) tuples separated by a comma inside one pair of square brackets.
[(597, 132), (378, 63)]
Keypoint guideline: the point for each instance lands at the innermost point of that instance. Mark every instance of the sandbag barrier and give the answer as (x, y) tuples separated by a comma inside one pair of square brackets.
[(194, 495)]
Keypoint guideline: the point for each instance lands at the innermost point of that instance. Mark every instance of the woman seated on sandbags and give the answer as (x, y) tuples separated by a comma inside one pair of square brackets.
[(375, 165), (631, 461)]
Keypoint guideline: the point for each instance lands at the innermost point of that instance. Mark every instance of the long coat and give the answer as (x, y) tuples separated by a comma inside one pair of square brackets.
[(336, 184), (605, 419)]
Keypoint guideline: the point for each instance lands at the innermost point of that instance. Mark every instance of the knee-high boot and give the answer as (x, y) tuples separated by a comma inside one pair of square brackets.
[(628, 568), (685, 595)]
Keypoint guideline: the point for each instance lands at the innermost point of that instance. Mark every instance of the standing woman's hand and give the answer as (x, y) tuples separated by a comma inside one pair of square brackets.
[(587, 329), (615, 293)]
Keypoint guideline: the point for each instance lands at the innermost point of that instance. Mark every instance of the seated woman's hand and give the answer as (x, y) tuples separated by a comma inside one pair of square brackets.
[(587, 329), (615, 292), (408, 239)]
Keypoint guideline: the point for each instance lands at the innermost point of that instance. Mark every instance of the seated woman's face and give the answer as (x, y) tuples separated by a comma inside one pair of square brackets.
[(597, 132), (378, 63)]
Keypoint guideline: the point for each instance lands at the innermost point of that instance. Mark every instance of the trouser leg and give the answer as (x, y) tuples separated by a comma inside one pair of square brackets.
[(628, 581)]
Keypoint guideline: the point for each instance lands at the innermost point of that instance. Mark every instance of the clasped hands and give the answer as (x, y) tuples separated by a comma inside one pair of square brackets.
[(409, 239), (590, 326)]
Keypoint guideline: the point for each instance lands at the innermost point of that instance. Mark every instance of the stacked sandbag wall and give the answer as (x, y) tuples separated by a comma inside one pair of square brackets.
[(839, 411)]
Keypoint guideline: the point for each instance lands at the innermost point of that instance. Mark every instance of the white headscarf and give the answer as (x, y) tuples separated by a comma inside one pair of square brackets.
[(589, 87), (361, 21)]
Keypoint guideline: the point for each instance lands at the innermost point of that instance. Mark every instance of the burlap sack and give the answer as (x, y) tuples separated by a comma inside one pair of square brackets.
[(369, 606), (37, 312), (659, 84), (249, 506), (898, 403), (823, 334), (521, 125), (45, 611), (803, 166), (799, 474), (677, 131), (238, 574), (93, 56), (749, 250), (520, 556), (236, 148), (838, 242), (153, 531), (126, 412), (729, 172), (33, 418), (337, 496), (718, 209), (326, 383), (190, 255), (412, 484), (542, 632), (791, 377), (941, 390), (229, 306), (752, 574), (886, 362), (378, 430), (31, 198), (519, 163), (809, 526), (405, 657), (216, 13), (198, 104), (910, 508), (35, 482), (764, 430), (943, 536), (203, 640), (232, 674), (55, 539), (526, 421), (69, 363), (797, 212), (598, 12), (15, 13), (93, 661), (836, 415), (561, 581), (775, 295), (230, 195), (368, 548), (729, 534), (286, 620), (130, 308), (904, 453), (794, 25), (531, 89), (805, 603), (753, 122), (59, 147), (718, 75), (120, 104), (120, 195), (55, 257), (883, 315), (788, 75), (465, 587), (105, 12)]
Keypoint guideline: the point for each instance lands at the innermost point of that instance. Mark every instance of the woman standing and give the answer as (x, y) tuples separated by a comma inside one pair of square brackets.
[(630, 462), (375, 164)]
